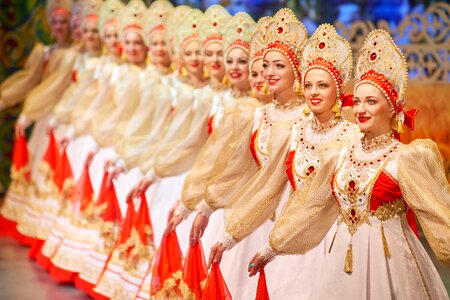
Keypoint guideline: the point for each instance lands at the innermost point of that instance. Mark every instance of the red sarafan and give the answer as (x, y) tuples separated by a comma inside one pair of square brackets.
[(216, 288)]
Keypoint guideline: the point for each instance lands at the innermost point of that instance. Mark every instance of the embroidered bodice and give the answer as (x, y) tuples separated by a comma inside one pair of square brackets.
[(265, 117), (365, 185), (303, 160)]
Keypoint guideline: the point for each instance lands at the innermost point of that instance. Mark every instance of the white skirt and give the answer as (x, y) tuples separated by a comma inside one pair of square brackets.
[(408, 273)]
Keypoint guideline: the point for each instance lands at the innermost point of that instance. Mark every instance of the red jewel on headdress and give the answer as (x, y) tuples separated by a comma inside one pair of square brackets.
[(321, 45), (239, 30), (194, 25), (373, 56), (280, 30), (215, 24), (160, 15)]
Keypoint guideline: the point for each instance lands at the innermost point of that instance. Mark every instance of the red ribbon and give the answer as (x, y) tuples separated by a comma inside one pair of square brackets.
[(346, 100), (409, 118)]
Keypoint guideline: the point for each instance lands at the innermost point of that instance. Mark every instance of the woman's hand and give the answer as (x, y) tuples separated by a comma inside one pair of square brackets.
[(173, 220), (258, 261), (19, 129), (198, 228), (216, 254)]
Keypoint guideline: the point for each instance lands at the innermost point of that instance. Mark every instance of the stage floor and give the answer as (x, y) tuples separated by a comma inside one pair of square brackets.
[(23, 279)]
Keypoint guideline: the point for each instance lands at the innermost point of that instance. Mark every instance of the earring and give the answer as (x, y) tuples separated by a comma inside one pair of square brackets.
[(226, 81), (306, 110), (182, 71), (336, 109), (298, 88), (265, 89), (104, 51), (148, 60), (205, 73), (253, 95), (171, 67)]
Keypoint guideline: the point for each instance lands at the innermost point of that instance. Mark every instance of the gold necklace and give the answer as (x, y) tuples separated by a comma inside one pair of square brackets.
[(378, 142), (327, 126), (288, 105), (240, 94)]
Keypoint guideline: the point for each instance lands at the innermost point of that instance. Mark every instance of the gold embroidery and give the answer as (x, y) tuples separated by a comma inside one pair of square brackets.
[(389, 210)]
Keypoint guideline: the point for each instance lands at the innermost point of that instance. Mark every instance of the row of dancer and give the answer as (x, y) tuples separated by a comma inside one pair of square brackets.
[(240, 123)]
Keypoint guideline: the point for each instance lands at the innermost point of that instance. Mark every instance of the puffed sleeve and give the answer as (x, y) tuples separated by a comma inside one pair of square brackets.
[(41, 100), (234, 167), (256, 201), (141, 135), (179, 155), (221, 138), (425, 189), (309, 213), (176, 127), (15, 88)]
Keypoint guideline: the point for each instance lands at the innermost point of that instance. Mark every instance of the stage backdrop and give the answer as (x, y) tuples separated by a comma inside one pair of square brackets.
[(423, 33)]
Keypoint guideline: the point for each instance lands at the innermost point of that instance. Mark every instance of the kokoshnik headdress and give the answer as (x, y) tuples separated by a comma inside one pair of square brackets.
[(188, 31), (90, 11), (257, 43), (238, 32), (328, 51), (158, 12), (172, 24), (382, 64), (58, 7), (109, 12), (132, 18), (213, 25), (287, 35)]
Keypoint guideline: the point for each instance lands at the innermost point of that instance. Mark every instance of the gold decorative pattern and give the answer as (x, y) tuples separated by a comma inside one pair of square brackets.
[(427, 49)]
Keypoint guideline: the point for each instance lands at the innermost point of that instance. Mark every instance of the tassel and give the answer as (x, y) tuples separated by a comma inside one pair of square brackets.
[(184, 72), (336, 109), (399, 124), (349, 260), (298, 88), (226, 81), (387, 253), (306, 110), (172, 67), (332, 241), (265, 89)]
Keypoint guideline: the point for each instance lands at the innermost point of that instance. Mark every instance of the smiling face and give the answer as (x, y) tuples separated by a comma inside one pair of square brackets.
[(213, 59), (279, 73), (236, 67), (372, 110), (91, 37), (257, 77), (158, 48), (192, 59), (60, 28), (320, 92), (135, 48), (111, 40)]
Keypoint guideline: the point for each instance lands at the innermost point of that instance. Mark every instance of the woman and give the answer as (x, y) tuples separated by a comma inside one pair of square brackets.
[(222, 117), (46, 75), (134, 46), (326, 69), (41, 213), (253, 172), (374, 183)]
